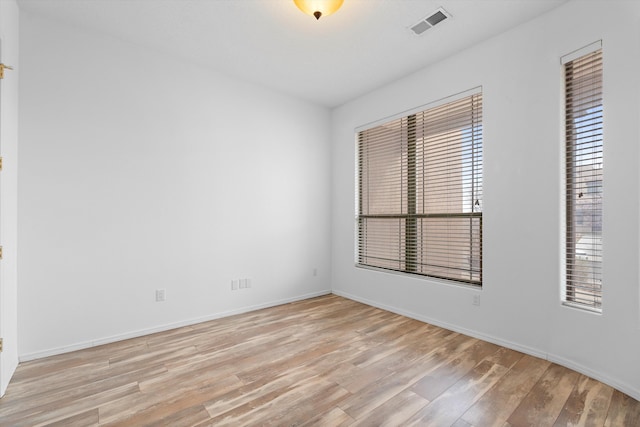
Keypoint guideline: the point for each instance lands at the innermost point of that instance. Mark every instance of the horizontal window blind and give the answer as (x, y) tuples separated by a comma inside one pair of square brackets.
[(584, 174), (420, 193)]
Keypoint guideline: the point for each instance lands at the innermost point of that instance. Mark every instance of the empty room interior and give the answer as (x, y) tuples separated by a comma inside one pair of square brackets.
[(358, 212)]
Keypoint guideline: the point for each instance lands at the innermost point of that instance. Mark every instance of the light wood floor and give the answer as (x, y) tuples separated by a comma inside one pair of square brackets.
[(326, 361)]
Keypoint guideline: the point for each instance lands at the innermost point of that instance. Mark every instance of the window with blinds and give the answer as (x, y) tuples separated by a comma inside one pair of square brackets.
[(420, 193), (584, 172)]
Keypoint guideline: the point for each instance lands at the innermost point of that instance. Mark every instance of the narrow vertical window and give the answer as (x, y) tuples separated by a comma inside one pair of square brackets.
[(420, 192), (584, 173)]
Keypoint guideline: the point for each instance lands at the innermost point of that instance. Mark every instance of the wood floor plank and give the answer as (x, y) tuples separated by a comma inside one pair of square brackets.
[(462, 423), (395, 411), (84, 391), (180, 412), (587, 405), (56, 411), (325, 361), (335, 417), (451, 404), (255, 393), (542, 406), (495, 406), (373, 395), (353, 378), (84, 419), (285, 360), (436, 382), (35, 370), (283, 406), (624, 411), (30, 387), (380, 391), (506, 357), (295, 409), (152, 402)]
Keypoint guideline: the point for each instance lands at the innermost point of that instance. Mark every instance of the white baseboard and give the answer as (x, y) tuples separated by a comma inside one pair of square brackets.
[(625, 388), (161, 328)]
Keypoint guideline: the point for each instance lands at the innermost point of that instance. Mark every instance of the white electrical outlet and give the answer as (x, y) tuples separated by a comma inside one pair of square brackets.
[(160, 295), (476, 300), (240, 284), (315, 271)]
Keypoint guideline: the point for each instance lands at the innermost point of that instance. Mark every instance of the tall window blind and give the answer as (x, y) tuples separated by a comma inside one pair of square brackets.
[(584, 172), (420, 193)]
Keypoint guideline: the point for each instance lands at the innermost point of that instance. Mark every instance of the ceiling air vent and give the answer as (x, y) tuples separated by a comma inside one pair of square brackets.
[(430, 21)]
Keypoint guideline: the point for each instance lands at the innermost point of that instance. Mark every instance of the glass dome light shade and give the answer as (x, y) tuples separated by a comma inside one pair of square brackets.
[(318, 8)]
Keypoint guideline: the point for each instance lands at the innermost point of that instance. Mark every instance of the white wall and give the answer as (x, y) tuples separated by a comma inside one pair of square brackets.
[(9, 191), (139, 172), (520, 73)]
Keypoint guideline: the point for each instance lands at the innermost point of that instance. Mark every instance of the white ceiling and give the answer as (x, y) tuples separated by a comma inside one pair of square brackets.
[(362, 46)]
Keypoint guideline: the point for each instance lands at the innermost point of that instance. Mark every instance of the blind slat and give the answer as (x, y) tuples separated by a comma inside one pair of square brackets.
[(584, 174)]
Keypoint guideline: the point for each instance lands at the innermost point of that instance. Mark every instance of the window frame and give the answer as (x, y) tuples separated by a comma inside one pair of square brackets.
[(412, 217), (583, 246)]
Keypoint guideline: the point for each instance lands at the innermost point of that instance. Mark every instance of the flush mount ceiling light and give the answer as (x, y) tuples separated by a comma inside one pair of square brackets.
[(318, 8)]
